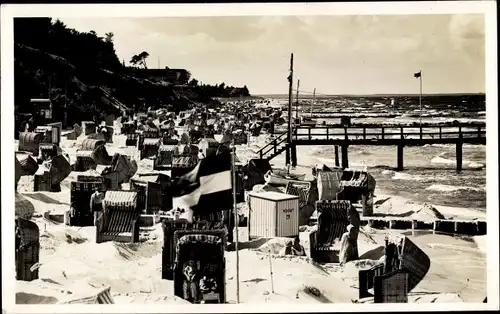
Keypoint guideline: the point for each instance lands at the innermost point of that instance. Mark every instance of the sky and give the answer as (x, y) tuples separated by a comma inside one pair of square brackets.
[(343, 54)]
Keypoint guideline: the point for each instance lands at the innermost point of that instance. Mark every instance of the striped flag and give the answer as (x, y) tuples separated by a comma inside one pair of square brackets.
[(418, 74), (207, 188)]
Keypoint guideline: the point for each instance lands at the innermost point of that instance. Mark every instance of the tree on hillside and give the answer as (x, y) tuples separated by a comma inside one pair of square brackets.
[(140, 59), (193, 82), (109, 37)]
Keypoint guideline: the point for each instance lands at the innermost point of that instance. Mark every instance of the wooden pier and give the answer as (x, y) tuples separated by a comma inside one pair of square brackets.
[(377, 135)]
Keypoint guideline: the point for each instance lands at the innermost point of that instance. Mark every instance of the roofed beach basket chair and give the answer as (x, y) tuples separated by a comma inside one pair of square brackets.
[(355, 184), (47, 151), (81, 192), (196, 134), (328, 183), (149, 147), (200, 266), (168, 140), (101, 156), (120, 218), (168, 250), (51, 174), (151, 190), (120, 171), (239, 137), (128, 128), (255, 129), (163, 160), (30, 142), (23, 207), (404, 267), (132, 139), (28, 164), (27, 237), (90, 144), (254, 172), (150, 131), (208, 146), (184, 162), (88, 127), (302, 189), (333, 219), (84, 161)]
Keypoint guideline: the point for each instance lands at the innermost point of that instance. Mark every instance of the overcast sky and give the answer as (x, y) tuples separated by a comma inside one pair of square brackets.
[(334, 54)]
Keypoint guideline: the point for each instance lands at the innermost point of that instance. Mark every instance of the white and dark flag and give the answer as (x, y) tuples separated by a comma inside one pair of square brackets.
[(207, 188)]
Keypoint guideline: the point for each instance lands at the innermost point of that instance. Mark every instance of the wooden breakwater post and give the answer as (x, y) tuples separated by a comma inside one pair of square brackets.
[(400, 164), (337, 163), (459, 154)]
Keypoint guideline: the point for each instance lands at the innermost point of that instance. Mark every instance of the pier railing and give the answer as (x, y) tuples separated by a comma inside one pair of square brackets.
[(274, 148), (387, 135)]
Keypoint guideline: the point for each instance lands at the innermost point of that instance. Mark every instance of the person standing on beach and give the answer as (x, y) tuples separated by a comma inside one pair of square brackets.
[(348, 246), (96, 202)]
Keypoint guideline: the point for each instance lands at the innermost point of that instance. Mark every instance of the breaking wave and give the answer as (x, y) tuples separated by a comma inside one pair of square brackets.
[(450, 188)]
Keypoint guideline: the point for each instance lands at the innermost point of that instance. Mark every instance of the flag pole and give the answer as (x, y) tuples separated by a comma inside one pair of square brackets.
[(420, 97), (236, 223)]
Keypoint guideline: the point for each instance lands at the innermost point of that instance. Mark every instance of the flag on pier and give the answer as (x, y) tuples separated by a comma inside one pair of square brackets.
[(208, 187), (418, 74)]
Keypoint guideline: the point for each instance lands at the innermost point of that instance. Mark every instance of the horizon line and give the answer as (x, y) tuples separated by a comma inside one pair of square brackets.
[(382, 94)]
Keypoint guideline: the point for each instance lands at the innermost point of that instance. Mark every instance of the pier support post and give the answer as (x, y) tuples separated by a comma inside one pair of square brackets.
[(400, 157), (345, 157), (459, 156), (293, 150), (337, 163)]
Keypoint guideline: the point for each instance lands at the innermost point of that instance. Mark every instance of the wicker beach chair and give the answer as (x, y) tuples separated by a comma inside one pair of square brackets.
[(120, 218), (149, 195), (101, 157), (29, 165), (84, 161), (168, 251), (150, 131), (81, 193), (333, 219), (163, 160), (254, 172), (120, 171), (149, 147), (30, 142), (182, 164), (132, 139), (27, 249), (47, 151), (206, 250), (391, 287), (401, 255), (302, 189)]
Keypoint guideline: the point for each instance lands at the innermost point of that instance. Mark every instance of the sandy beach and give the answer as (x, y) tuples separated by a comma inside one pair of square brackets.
[(72, 264)]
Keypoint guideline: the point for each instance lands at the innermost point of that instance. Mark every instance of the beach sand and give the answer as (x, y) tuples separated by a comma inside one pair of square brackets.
[(73, 265)]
